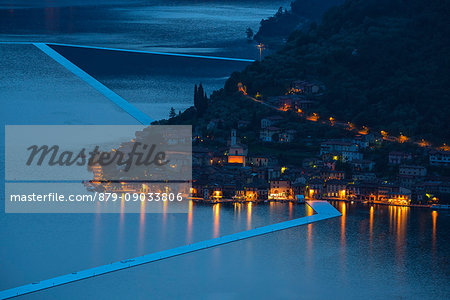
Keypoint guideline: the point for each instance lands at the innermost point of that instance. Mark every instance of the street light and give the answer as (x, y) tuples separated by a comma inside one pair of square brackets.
[(260, 47)]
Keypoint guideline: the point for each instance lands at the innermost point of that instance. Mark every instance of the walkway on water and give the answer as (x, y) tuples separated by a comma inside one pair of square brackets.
[(128, 107), (323, 210)]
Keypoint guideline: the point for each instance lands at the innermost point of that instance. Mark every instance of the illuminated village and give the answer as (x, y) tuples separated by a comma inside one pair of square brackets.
[(340, 169), (224, 169)]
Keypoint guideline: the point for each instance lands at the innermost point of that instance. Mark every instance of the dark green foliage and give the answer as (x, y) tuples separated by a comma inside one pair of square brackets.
[(249, 33), (172, 113), (200, 100), (385, 64), (284, 22)]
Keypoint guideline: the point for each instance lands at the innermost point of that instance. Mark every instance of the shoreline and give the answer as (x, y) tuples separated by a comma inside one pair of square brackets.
[(232, 201)]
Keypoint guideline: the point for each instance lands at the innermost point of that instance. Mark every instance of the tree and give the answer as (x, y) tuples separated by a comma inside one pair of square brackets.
[(195, 97), (200, 99), (172, 113), (249, 33)]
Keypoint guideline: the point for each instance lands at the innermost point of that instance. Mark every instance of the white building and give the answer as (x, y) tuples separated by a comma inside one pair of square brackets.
[(440, 158)]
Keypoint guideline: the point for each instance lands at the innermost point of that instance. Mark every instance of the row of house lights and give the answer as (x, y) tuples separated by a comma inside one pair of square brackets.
[(314, 117)]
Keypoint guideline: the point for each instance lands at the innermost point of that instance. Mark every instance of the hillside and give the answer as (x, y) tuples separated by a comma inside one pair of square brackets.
[(384, 63), (275, 29)]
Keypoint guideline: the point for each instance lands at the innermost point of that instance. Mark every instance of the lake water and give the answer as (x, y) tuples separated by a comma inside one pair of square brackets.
[(369, 252), (374, 252)]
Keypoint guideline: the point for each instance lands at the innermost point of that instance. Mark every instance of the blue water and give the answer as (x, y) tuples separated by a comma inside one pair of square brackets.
[(380, 252)]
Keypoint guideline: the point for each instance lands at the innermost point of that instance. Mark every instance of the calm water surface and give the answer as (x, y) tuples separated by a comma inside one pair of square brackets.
[(370, 252)]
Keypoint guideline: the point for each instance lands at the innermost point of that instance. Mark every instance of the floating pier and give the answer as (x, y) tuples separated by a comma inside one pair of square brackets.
[(323, 209)]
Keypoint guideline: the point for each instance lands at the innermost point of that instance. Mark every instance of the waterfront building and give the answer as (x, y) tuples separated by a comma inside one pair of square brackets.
[(336, 189), (280, 190), (314, 189)]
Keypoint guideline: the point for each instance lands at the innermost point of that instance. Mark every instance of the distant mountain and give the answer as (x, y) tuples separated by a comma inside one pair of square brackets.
[(385, 64)]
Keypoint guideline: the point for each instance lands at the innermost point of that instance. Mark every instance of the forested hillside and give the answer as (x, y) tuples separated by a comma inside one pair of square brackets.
[(384, 63)]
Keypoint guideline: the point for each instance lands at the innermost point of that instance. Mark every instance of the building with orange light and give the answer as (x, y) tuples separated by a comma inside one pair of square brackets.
[(314, 189), (336, 189), (347, 150), (280, 190), (304, 87), (287, 136), (237, 153), (328, 174)]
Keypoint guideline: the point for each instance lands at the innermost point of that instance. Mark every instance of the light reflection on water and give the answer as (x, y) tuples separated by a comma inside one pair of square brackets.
[(189, 223), (434, 215), (142, 215), (249, 215), (216, 209), (378, 242)]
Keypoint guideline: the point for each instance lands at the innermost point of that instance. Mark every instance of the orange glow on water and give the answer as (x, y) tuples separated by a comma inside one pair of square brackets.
[(343, 251), (249, 215), (122, 209), (343, 211), (121, 222), (189, 221), (434, 215), (309, 246), (141, 226), (216, 210), (398, 222)]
